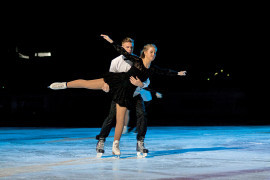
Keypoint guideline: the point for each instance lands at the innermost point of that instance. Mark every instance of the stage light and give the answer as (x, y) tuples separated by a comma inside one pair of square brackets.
[(43, 54), (28, 53), (23, 56)]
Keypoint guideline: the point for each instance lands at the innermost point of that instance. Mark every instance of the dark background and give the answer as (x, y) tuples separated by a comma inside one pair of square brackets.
[(194, 38)]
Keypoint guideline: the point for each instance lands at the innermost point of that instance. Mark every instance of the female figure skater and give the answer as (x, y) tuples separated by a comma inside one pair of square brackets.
[(122, 84)]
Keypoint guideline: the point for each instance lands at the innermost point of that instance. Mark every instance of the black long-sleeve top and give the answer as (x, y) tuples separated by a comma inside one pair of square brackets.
[(138, 63)]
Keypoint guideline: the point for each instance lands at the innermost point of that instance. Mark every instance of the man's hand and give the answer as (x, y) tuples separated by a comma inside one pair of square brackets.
[(106, 87), (159, 95), (107, 38), (136, 81), (182, 73)]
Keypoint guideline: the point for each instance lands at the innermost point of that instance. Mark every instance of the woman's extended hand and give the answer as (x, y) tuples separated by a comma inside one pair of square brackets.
[(107, 38), (182, 73), (136, 81)]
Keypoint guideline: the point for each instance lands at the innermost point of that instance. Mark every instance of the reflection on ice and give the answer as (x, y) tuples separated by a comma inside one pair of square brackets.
[(216, 152)]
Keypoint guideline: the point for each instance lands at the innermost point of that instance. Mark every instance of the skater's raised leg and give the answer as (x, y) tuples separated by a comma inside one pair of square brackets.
[(80, 83)]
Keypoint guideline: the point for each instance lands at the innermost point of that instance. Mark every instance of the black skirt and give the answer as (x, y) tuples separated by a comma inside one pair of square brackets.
[(121, 90)]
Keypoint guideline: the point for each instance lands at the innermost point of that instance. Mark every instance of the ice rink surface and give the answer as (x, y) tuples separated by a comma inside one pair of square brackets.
[(175, 153)]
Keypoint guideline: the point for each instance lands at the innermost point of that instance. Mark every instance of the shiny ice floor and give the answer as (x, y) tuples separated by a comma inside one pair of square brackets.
[(176, 153)]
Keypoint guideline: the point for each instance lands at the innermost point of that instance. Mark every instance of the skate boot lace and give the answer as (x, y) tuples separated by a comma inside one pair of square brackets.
[(100, 144), (141, 145), (116, 147), (59, 85)]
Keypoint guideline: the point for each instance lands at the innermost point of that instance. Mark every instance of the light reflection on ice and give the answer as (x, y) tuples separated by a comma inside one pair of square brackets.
[(174, 152)]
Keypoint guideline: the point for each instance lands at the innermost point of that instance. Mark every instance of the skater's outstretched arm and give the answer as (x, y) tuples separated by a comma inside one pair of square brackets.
[(168, 72), (155, 69), (121, 50)]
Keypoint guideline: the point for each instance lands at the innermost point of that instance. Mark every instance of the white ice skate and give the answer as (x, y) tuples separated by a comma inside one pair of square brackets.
[(58, 85), (115, 148), (100, 147), (141, 150)]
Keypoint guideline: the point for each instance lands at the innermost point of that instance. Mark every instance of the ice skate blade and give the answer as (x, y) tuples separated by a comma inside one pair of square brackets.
[(116, 156), (99, 155), (141, 155), (100, 151)]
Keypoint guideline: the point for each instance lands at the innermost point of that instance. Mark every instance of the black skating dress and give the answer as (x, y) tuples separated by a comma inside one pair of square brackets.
[(121, 88)]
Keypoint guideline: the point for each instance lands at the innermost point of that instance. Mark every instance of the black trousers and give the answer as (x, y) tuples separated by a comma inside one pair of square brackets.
[(139, 107)]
